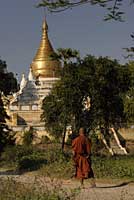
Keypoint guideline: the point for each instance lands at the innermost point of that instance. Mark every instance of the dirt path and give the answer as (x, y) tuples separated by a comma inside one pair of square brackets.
[(108, 192), (105, 190)]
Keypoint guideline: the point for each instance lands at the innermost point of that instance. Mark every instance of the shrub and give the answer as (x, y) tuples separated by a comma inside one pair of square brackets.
[(45, 139), (114, 167), (14, 153), (55, 163), (56, 155), (28, 136), (71, 137), (97, 145), (31, 162), (7, 137), (23, 157)]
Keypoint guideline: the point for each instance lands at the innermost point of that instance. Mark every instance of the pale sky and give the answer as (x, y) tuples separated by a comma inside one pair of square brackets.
[(81, 28)]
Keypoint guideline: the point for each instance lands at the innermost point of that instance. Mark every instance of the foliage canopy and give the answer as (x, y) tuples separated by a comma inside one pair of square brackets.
[(8, 83), (103, 80), (113, 6)]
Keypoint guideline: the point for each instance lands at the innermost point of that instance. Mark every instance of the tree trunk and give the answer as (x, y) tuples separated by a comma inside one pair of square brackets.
[(63, 139)]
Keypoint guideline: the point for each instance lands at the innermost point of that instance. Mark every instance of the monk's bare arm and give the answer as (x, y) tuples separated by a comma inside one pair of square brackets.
[(73, 147), (88, 147)]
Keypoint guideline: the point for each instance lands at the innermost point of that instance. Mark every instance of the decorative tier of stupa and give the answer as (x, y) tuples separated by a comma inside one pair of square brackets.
[(25, 105)]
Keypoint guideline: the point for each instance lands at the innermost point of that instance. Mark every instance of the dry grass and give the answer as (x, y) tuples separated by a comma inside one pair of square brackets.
[(38, 189)]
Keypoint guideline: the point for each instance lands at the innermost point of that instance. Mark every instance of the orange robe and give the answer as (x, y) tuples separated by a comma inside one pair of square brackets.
[(82, 150)]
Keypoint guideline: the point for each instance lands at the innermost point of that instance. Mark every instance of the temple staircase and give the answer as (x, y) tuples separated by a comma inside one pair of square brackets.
[(114, 147), (115, 144)]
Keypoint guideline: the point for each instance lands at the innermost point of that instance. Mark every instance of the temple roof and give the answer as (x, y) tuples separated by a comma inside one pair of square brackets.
[(42, 64)]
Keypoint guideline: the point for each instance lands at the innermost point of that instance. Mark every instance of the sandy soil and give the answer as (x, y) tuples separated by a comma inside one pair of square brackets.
[(105, 189)]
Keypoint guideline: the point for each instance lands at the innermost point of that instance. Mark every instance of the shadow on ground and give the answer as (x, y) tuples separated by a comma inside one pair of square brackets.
[(11, 172), (118, 185)]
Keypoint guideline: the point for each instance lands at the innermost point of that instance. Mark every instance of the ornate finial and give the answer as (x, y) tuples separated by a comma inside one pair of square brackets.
[(45, 26), (30, 75), (42, 64), (23, 82)]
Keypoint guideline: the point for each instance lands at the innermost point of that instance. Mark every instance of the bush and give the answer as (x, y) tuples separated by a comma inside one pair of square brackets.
[(45, 139), (12, 154), (28, 136), (71, 137), (98, 147), (36, 158), (31, 162), (114, 167), (56, 155), (55, 163), (7, 137)]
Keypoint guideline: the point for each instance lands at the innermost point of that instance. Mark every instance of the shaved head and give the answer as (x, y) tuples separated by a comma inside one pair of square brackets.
[(82, 131)]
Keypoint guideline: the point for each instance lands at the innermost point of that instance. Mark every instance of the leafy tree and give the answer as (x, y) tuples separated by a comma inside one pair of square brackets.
[(130, 50), (113, 6), (8, 83), (58, 105), (110, 82), (52, 114), (104, 80), (6, 136), (129, 96)]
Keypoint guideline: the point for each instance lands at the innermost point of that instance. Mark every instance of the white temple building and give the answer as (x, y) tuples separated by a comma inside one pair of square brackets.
[(25, 106)]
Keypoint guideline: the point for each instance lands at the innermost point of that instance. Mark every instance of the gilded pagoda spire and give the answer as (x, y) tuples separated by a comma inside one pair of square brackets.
[(42, 64)]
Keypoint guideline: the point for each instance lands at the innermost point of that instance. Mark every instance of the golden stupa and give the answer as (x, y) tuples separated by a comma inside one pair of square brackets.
[(42, 64)]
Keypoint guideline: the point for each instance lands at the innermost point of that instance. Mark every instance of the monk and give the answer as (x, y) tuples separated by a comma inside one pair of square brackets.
[(81, 155)]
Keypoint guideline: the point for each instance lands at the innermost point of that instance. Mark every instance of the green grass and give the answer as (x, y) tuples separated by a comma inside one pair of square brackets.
[(104, 167), (58, 169), (50, 161), (114, 167)]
